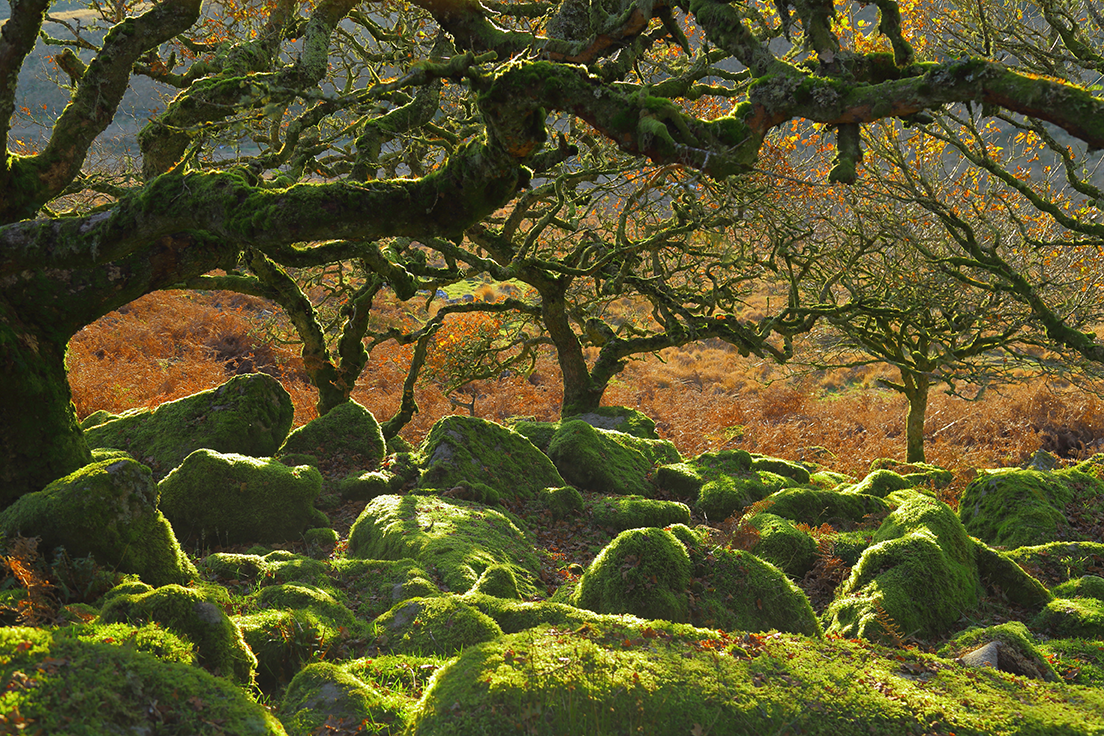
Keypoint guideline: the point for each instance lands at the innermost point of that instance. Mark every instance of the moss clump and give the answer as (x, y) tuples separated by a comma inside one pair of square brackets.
[(606, 461), (219, 644), (347, 436), (88, 687), (107, 510), (539, 433), (97, 418), (364, 486), (1069, 618), (1000, 573), (152, 639), (459, 539), (322, 603), (471, 450), (669, 680), (325, 697), (283, 640), (918, 578), (645, 572), (249, 414), (1077, 661), (735, 590), (1019, 649), (1018, 508), (234, 499), (620, 419), (498, 581), (513, 616), (816, 506), (682, 480), (278, 566), (880, 483), (830, 480), (786, 468), (1058, 562), (783, 545), (444, 625), (563, 502), (1089, 586), (371, 587), (629, 512)]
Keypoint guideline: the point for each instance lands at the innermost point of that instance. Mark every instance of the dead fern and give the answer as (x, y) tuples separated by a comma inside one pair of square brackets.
[(889, 627), (39, 606), (737, 531), (828, 571)]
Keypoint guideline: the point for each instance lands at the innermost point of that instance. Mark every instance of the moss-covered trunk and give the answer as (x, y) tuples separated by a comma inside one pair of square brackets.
[(916, 391), (580, 392), (40, 439)]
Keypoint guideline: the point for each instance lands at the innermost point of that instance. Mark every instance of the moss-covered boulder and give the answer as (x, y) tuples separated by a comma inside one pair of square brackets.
[(880, 483), (917, 579), (1017, 651), (645, 572), (220, 647), (734, 590), (783, 545), (371, 587), (672, 680), (283, 640), (1003, 578), (629, 512), (366, 485), (459, 539), (1088, 586), (325, 698), (786, 468), (620, 419), (681, 480), (815, 506), (249, 415), (498, 581), (108, 510), (346, 437), (608, 462), (442, 625), (513, 615), (563, 502), (70, 685), (1056, 562), (728, 483), (1013, 507), (303, 596), (235, 499), (1068, 618), (472, 450)]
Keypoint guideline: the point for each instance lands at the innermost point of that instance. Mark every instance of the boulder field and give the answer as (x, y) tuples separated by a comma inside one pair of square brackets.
[(210, 573)]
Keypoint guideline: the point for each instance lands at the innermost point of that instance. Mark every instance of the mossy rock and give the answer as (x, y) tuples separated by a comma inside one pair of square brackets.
[(619, 419), (513, 615), (725, 495), (880, 483), (563, 502), (1088, 586), (816, 506), (235, 499), (786, 468), (1068, 618), (917, 579), (734, 590), (345, 437), (324, 697), (459, 539), (681, 480), (645, 572), (783, 545), (472, 450), (917, 473), (830, 480), (283, 640), (364, 486), (498, 581), (220, 647), (107, 510), (1002, 576), (274, 568), (629, 512), (371, 587), (97, 418), (539, 433), (93, 687), (1018, 508), (303, 596), (671, 680), (442, 625), (1056, 562), (1077, 661), (608, 462), (249, 415), (1019, 653), (849, 546)]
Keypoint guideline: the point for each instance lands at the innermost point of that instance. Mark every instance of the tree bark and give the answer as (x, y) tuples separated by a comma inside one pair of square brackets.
[(916, 391)]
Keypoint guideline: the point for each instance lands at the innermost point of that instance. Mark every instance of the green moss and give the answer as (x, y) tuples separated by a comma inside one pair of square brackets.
[(1024, 656), (563, 502), (605, 461), (99, 688), (498, 581), (645, 572), (1088, 586), (783, 545), (1069, 618), (735, 590), (1058, 562), (620, 419), (345, 436), (325, 697), (364, 486), (629, 512), (249, 414), (1003, 577), (539, 433), (151, 639), (108, 510), (332, 612), (218, 641), (1078, 661), (786, 468), (1017, 508), (681, 480), (467, 449), (97, 418), (371, 587), (830, 480), (880, 483), (233, 499), (278, 566), (459, 539), (815, 506), (443, 625), (513, 616), (668, 681)]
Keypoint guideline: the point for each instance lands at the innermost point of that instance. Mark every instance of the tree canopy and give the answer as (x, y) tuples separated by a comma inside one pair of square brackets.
[(390, 135)]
